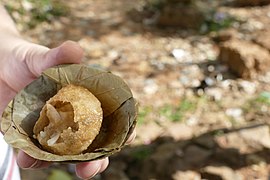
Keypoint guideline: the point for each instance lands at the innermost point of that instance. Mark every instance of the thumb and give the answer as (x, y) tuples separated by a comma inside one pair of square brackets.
[(68, 52)]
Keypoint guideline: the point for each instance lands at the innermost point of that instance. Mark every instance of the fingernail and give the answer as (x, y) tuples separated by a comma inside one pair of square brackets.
[(35, 165), (30, 165), (96, 172), (131, 138)]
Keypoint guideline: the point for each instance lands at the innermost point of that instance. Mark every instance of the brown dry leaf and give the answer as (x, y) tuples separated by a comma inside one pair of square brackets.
[(119, 108)]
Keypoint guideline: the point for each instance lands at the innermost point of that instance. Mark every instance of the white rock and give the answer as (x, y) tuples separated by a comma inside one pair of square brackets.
[(192, 121), (195, 83), (234, 112), (209, 81), (150, 87), (113, 55), (28, 6), (184, 80), (214, 93), (179, 53), (248, 87), (211, 68), (219, 77), (226, 84)]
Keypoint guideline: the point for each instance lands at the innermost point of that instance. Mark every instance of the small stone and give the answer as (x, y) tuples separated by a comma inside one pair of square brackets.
[(214, 93), (226, 84), (211, 68), (251, 26), (192, 121), (28, 6), (190, 76), (234, 112), (209, 81), (184, 80), (219, 77), (150, 87), (178, 53), (247, 86), (113, 55)]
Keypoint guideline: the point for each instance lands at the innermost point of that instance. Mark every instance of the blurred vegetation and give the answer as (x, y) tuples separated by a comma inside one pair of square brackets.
[(264, 98), (185, 107), (58, 174), (30, 12), (177, 113), (259, 104), (143, 112), (216, 21)]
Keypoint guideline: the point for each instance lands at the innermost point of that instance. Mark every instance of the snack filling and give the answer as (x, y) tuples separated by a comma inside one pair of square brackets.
[(69, 121)]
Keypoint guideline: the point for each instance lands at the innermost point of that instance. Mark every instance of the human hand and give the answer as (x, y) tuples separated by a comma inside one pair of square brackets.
[(22, 62)]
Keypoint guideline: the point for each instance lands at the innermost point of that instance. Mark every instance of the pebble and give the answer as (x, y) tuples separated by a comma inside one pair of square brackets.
[(28, 6), (252, 25), (247, 86), (150, 87), (113, 55), (188, 82), (209, 81), (234, 112), (214, 93), (226, 84), (181, 55), (192, 121)]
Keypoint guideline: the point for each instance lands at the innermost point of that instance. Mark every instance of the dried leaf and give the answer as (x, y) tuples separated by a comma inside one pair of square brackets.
[(119, 108)]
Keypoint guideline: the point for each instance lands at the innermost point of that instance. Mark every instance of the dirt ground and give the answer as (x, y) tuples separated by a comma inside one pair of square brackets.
[(197, 119)]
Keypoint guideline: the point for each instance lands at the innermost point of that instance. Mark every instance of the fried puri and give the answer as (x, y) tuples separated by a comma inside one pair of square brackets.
[(69, 121)]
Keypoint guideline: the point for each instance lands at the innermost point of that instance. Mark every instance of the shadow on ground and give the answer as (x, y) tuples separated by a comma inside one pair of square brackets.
[(164, 156)]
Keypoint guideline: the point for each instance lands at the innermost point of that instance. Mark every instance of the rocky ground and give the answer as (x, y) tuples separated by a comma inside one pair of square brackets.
[(203, 89)]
